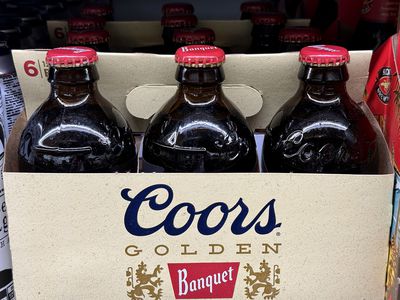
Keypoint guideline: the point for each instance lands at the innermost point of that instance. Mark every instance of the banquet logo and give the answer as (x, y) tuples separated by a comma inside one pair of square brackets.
[(159, 197)]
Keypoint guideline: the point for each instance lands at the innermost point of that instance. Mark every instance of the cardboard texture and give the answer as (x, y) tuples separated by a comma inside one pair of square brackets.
[(75, 236), (125, 35)]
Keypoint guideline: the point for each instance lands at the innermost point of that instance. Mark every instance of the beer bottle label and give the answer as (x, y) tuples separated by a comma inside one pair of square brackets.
[(380, 11), (11, 101)]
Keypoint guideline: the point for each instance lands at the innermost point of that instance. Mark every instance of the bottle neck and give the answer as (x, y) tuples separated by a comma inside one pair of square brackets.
[(73, 85), (200, 85), (324, 84)]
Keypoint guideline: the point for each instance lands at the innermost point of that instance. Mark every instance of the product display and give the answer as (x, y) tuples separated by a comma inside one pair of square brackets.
[(76, 129), (98, 40), (321, 129), (199, 130), (265, 33), (296, 38)]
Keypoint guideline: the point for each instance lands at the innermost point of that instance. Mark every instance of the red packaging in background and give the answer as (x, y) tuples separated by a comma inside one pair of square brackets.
[(382, 94)]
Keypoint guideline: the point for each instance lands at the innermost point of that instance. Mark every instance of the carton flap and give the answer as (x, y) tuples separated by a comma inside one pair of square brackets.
[(248, 100)]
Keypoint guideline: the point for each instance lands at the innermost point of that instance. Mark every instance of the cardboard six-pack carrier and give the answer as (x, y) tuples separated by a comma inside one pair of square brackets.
[(196, 236)]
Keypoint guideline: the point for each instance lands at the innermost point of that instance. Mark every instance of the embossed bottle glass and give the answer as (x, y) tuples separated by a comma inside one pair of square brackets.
[(76, 129), (321, 129), (199, 129)]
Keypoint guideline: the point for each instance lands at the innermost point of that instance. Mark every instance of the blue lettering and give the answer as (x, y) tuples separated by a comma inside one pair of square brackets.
[(152, 193)]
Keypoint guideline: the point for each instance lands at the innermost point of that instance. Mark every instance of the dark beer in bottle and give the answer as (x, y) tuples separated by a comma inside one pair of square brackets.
[(172, 9), (253, 7), (377, 23), (97, 40), (198, 36), (86, 24), (76, 130), (265, 33), (199, 129), (296, 38), (173, 23), (321, 129)]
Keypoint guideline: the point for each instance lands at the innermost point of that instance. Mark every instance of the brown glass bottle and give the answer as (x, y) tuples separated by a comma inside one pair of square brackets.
[(76, 129), (97, 40), (171, 24), (199, 129), (265, 32), (321, 129)]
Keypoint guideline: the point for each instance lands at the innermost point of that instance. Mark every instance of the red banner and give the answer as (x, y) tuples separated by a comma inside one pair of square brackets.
[(203, 280)]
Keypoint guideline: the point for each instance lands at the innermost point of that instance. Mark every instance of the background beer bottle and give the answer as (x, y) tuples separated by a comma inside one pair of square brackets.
[(265, 32), (199, 129), (198, 36), (321, 129), (76, 129), (296, 38), (172, 9), (86, 24), (97, 40), (253, 7), (173, 23)]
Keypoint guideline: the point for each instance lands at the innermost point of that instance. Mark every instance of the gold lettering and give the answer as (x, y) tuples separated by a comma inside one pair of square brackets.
[(185, 250), (214, 248), (268, 247), (132, 250), (158, 252), (244, 249)]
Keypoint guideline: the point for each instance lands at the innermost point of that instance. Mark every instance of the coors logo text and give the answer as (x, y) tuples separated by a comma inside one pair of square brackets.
[(151, 198)]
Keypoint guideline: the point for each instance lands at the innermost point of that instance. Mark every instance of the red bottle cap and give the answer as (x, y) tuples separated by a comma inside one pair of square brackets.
[(179, 21), (83, 24), (69, 57), (199, 56), (255, 7), (324, 55), (88, 37), (268, 18), (194, 36), (170, 9), (300, 35), (96, 10)]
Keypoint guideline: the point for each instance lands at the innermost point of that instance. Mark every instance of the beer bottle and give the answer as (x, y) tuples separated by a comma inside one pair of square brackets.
[(86, 24), (171, 24), (97, 40), (198, 36), (265, 33), (377, 23), (172, 9), (76, 130), (295, 38), (253, 7), (199, 129), (98, 10), (321, 129)]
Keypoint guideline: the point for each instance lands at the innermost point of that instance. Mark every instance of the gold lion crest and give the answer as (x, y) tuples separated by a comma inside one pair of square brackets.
[(144, 282), (264, 281)]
